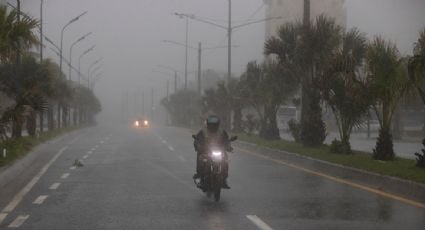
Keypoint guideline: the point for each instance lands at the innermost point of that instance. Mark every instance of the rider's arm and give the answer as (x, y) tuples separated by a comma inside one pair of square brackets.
[(226, 142)]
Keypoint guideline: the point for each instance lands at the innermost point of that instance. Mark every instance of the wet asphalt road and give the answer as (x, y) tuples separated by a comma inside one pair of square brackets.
[(141, 179)]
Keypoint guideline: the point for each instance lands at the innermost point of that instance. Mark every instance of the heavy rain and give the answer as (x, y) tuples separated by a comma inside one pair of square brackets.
[(212, 114)]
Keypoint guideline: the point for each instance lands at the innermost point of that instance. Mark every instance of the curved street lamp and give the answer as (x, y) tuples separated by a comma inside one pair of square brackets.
[(79, 62), (63, 30), (70, 51), (90, 67)]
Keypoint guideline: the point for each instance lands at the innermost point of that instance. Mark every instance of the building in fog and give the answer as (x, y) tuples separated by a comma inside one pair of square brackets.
[(292, 10)]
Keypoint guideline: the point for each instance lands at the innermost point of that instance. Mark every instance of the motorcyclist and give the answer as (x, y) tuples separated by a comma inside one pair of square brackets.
[(212, 133)]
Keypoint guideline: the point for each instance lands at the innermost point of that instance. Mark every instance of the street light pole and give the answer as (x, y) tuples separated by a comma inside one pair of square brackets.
[(63, 30), (199, 68), (79, 62), (229, 43), (41, 31), (186, 16), (70, 52), (88, 71)]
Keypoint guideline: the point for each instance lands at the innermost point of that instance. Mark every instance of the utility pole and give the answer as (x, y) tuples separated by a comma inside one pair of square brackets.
[(152, 104), (306, 18), (229, 41), (199, 67), (175, 81), (41, 31), (143, 105), (186, 50), (18, 18), (168, 99)]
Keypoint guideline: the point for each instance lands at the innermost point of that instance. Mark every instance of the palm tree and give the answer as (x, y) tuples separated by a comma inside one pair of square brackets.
[(343, 87), (417, 66), (388, 83), (15, 35)]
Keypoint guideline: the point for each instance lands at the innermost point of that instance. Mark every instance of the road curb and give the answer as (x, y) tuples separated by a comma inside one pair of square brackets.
[(397, 186), (9, 172)]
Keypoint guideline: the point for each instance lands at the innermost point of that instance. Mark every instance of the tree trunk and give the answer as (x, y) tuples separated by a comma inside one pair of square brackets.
[(237, 120), (41, 117), (50, 118), (58, 116), (65, 116), (32, 123), (16, 129)]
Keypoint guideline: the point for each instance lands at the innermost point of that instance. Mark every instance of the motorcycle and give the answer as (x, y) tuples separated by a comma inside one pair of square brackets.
[(212, 163)]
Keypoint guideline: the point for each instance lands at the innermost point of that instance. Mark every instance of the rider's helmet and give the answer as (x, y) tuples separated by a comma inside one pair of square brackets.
[(213, 123)]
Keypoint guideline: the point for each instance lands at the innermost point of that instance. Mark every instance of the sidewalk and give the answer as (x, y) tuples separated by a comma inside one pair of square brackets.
[(359, 141)]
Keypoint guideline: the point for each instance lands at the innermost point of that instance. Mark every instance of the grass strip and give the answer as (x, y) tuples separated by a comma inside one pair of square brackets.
[(400, 167), (19, 147)]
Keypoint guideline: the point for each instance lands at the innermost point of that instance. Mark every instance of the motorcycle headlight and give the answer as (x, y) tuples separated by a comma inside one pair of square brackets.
[(217, 153)]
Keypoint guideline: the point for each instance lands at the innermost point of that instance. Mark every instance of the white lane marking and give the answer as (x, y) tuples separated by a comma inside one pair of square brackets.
[(182, 159), (20, 195), (2, 217), (65, 175), (54, 186), (89, 152), (164, 142), (85, 157), (73, 167), (171, 148), (40, 199), (258, 222), (97, 146), (18, 221), (102, 142), (93, 149)]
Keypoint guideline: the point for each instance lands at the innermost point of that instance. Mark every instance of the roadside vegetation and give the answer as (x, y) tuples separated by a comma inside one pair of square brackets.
[(314, 66), (35, 96), (398, 167)]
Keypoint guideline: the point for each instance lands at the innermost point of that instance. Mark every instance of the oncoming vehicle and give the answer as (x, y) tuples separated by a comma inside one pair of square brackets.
[(284, 115), (140, 123)]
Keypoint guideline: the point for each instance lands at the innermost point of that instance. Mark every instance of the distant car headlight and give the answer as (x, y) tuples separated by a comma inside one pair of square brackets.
[(146, 122), (136, 123)]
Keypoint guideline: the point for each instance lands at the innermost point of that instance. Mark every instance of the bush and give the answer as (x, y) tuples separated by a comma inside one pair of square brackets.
[(384, 146), (295, 130), (420, 160), (340, 147)]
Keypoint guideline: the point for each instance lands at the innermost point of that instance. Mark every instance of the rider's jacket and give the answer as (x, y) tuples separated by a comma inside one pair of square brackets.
[(204, 138)]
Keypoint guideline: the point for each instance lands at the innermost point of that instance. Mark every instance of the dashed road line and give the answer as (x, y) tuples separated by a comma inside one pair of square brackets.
[(97, 146), (73, 167), (18, 221), (102, 142), (164, 142), (89, 152), (20, 195), (85, 156), (54, 186), (40, 199), (65, 175), (258, 222), (171, 148)]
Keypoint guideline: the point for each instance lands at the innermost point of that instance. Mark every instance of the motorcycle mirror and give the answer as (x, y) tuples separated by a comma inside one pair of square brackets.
[(234, 138)]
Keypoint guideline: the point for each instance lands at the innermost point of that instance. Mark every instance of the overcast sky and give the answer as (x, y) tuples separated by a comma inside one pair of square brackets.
[(128, 34)]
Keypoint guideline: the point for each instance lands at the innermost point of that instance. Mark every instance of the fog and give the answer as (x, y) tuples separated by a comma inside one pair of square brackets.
[(129, 37)]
